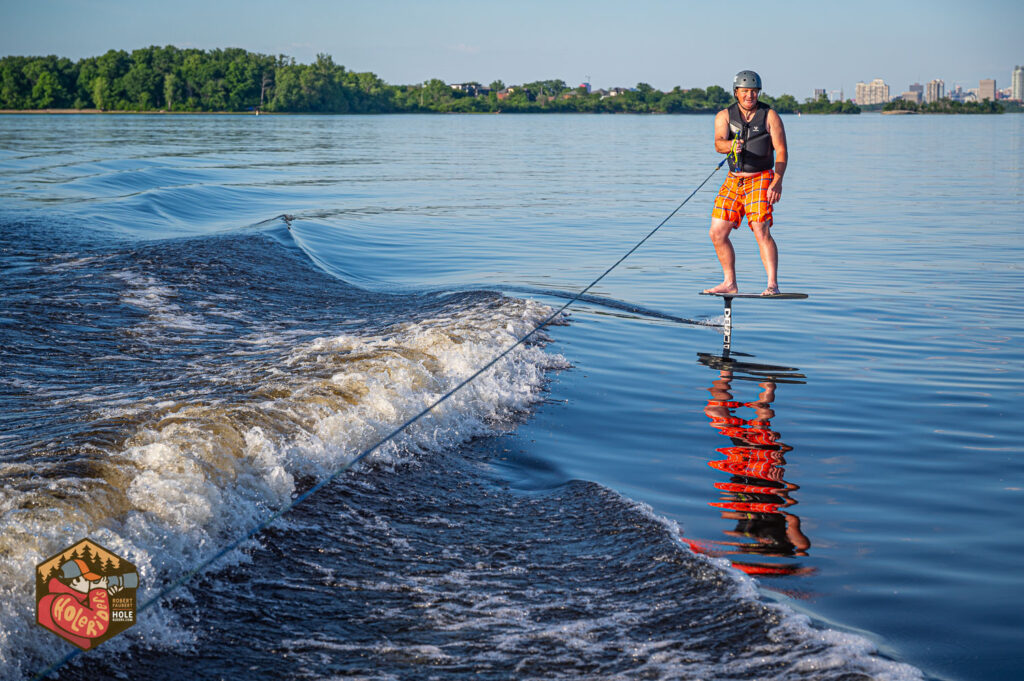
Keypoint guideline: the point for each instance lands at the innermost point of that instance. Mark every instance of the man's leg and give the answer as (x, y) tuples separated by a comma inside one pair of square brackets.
[(769, 255), (720, 230)]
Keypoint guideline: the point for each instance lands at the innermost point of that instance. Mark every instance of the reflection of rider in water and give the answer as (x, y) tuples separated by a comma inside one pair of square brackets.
[(756, 494)]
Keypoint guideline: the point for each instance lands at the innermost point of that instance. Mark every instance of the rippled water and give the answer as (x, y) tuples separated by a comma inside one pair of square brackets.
[(615, 500)]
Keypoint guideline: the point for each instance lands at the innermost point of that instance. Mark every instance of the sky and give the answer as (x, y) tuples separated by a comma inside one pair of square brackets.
[(796, 46)]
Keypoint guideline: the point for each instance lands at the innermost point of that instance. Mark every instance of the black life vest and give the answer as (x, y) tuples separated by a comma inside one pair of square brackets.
[(758, 153)]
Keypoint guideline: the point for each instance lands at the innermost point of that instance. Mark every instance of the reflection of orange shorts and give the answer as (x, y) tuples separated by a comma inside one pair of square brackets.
[(741, 196)]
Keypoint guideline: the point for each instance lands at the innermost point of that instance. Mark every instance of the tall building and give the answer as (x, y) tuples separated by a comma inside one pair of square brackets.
[(987, 89), (911, 96), (916, 87), (935, 91), (1017, 84), (819, 92), (875, 92)]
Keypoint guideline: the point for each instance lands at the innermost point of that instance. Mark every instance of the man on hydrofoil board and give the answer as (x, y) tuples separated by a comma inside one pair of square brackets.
[(751, 133)]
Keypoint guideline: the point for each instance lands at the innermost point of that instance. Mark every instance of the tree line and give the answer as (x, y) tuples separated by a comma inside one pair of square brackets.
[(172, 79)]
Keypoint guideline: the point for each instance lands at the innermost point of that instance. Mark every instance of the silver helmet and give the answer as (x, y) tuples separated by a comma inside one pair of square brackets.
[(747, 79)]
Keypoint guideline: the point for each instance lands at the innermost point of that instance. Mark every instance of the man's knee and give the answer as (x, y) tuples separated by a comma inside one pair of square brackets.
[(761, 230), (720, 230)]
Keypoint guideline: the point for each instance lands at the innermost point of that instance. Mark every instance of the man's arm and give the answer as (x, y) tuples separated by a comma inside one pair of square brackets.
[(778, 133), (722, 142)]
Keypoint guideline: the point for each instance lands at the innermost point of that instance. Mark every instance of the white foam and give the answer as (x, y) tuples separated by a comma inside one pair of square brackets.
[(844, 651), (195, 475), (147, 293), (73, 262), (718, 322)]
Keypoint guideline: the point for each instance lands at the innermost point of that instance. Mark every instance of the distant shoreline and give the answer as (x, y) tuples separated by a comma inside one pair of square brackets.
[(159, 112), (121, 113), (99, 112)]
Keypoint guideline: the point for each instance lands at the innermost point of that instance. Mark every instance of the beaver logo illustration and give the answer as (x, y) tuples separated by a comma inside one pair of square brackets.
[(86, 594)]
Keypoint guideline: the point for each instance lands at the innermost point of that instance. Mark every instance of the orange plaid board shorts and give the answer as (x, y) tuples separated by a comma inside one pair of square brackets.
[(741, 196)]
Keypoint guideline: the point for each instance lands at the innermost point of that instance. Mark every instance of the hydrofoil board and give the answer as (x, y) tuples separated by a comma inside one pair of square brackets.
[(776, 296)]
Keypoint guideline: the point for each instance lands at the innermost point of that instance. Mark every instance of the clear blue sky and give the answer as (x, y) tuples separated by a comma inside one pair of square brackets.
[(796, 46)]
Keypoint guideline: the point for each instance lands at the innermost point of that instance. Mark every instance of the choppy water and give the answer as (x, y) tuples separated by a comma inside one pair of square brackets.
[(178, 360)]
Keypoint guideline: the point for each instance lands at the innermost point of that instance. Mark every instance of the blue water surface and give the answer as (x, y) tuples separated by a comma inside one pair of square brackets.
[(859, 452)]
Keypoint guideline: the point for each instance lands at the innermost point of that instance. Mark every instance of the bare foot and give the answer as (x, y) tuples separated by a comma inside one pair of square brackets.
[(722, 288), (770, 291)]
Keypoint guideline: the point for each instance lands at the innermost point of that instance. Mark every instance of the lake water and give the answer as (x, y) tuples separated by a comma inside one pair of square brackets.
[(842, 497)]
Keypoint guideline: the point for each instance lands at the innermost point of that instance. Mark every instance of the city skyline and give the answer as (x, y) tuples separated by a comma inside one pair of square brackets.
[(878, 91), (823, 45)]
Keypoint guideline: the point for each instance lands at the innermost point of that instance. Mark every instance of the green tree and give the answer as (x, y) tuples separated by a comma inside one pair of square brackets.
[(366, 93), (13, 84), (214, 95), (649, 96), (718, 97), (436, 95), (172, 88), (143, 85), (234, 79), (101, 93), (545, 88), (266, 83), (47, 90), (42, 80), (243, 79), (322, 86), (87, 72), (786, 104), (193, 74), (287, 89), (696, 99), (112, 67)]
